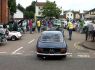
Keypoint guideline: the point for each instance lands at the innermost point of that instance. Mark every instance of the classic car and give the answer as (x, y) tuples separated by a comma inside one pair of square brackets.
[(51, 43)]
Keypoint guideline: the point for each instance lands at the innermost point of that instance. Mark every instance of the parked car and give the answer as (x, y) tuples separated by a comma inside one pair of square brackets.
[(3, 39), (14, 35), (51, 43), (57, 22)]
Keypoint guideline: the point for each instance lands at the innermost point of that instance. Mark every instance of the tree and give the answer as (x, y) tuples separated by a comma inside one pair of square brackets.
[(12, 6), (31, 7), (28, 14), (30, 10), (21, 8), (51, 10)]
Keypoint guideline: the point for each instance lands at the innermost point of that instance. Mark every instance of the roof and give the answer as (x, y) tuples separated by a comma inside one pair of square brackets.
[(40, 3), (89, 11), (51, 32), (71, 11)]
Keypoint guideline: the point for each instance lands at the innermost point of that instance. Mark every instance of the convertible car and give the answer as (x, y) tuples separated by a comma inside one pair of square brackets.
[(14, 35), (51, 43)]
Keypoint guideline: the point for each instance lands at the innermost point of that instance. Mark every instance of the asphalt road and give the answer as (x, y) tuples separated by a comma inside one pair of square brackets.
[(21, 55)]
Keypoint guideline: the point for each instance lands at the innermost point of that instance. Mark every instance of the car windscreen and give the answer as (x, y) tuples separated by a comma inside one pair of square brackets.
[(51, 38)]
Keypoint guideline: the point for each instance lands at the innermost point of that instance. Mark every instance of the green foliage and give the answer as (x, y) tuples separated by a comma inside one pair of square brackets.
[(12, 6), (51, 10), (28, 14), (20, 7), (30, 10)]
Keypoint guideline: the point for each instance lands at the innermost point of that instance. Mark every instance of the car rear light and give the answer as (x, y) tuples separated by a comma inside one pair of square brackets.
[(63, 50), (40, 50)]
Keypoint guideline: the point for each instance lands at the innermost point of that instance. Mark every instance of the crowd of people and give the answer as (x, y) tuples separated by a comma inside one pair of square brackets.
[(83, 27), (90, 31), (30, 25), (41, 25)]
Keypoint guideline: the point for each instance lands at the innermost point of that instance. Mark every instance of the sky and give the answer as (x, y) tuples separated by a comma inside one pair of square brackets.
[(65, 4)]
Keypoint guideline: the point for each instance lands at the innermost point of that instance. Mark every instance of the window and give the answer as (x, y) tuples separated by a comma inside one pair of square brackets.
[(39, 13), (51, 38), (71, 14), (68, 14), (39, 7)]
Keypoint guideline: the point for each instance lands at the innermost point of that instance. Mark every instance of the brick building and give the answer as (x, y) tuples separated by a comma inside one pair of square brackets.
[(3, 11)]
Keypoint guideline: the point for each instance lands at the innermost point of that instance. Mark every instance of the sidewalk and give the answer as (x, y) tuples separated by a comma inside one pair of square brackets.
[(89, 45)]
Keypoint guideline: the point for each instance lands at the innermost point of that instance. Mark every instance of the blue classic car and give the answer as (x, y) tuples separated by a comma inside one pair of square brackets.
[(51, 43)]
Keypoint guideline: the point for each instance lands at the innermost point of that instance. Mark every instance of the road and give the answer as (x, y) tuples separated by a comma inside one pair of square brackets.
[(21, 55)]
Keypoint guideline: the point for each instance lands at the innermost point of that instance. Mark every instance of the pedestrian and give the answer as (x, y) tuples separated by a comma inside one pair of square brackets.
[(90, 29), (86, 32), (24, 24), (15, 26), (34, 26), (10, 26), (81, 26), (70, 29), (38, 25), (30, 26), (93, 32)]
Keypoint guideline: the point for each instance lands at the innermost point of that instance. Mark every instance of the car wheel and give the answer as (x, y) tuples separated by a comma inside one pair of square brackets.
[(13, 38)]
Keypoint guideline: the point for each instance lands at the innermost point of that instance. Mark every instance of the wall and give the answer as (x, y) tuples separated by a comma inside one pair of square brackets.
[(4, 11), (38, 10), (18, 14)]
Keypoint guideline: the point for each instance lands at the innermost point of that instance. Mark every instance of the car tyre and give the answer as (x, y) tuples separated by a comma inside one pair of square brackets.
[(13, 38)]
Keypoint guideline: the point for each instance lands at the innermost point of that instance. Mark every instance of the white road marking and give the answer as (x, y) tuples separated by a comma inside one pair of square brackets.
[(2, 52), (19, 53), (75, 44), (17, 50), (68, 53), (31, 41), (84, 56)]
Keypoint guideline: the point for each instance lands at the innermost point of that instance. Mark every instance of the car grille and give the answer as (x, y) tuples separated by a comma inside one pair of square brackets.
[(51, 50)]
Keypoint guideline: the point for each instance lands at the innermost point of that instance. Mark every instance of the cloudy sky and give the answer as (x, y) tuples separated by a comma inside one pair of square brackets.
[(65, 4)]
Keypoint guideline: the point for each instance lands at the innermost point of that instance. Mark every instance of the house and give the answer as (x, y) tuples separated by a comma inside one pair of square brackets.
[(90, 15), (77, 15), (38, 10), (18, 15), (4, 11), (70, 15)]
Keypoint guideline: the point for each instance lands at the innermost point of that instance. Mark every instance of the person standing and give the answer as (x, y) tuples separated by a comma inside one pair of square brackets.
[(10, 26), (38, 25), (15, 26), (70, 29), (93, 33), (90, 29), (24, 24), (34, 26), (86, 32), (30, 26)]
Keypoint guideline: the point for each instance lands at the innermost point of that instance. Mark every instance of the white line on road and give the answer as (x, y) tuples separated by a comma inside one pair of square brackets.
[(69, 53), (17, 50), (3, 52), (75, 44), (31, 41), (84, 56)]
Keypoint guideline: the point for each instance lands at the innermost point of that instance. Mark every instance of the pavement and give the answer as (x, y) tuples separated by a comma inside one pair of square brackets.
[(89, 45)]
